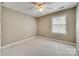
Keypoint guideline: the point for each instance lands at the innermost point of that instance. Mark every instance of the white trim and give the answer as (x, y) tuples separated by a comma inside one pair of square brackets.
[(18, 42), (61, 41)]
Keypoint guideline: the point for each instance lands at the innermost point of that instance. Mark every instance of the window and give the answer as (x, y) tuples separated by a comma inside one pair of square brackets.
[(59, 24)]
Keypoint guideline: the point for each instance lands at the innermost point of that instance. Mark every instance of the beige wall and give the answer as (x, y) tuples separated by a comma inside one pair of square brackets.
[(0, 24), (77, 25), (0, 28), (16, 26), (44, 26)]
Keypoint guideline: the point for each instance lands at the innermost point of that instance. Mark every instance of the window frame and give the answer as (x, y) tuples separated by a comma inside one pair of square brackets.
[(66, 27)]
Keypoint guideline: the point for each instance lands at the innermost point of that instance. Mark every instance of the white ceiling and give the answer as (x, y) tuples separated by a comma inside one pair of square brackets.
[(51, 7)]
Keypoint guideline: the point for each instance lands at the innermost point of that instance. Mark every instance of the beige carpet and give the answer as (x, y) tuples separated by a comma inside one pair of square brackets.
[(40, 47)]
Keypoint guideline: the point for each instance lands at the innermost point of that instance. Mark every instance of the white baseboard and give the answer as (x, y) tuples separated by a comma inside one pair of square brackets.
[(69, 43), (18, 42)]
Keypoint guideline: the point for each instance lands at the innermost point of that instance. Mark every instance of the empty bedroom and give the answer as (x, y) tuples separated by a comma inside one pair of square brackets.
[(39, 28)]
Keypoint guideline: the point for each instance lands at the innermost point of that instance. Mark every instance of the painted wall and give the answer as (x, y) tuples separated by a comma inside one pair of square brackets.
[(77, 25), (0, 28), (16, 26), (44, 26)]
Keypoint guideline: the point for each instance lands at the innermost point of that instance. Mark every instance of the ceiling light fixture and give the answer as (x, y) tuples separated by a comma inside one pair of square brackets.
[(39, 6), (41, 10)]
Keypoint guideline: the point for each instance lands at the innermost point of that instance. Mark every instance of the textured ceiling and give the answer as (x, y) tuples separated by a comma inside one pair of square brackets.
[(29, 8)]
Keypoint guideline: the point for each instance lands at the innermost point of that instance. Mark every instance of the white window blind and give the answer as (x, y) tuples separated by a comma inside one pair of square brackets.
[(59, 24)]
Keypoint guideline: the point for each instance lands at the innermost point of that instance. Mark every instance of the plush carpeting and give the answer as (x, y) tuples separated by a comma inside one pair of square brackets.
[(40, 47)]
